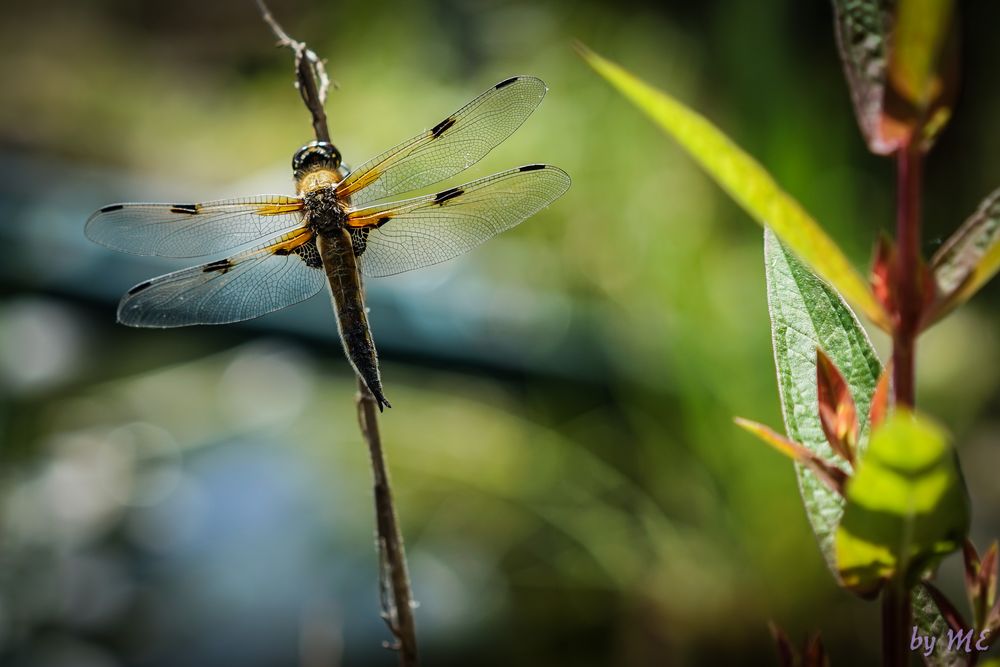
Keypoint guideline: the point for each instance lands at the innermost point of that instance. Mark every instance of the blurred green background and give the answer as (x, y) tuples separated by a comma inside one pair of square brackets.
[(569, 481)]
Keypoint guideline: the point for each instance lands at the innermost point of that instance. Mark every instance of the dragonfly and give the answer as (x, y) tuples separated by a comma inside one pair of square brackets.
[(337, 228)]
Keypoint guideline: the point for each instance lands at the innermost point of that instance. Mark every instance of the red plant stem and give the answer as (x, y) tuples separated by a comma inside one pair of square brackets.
[(907, 274), (896, 612)]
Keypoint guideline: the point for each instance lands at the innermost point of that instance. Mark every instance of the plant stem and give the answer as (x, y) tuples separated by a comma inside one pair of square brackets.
[(397, 609), (906, 275), (394, 580), (895, 622)]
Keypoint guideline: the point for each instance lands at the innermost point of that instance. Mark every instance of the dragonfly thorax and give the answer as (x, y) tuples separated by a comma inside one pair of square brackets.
[(324, 209)]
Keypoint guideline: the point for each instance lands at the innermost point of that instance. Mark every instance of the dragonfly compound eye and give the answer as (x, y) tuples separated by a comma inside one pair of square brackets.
[(316, 154)]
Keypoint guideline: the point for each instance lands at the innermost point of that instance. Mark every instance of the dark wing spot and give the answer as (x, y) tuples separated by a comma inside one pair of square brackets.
[(381, 221), (359, 240), (281, 252), (141, 286), (443, 196), (439, 129), (532, 167), (222, 266), (190, 209), (309, 254), (505, 82), (112, 207)]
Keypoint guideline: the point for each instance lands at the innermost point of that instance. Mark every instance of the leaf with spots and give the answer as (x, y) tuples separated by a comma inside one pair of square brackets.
[(807, 314), (862, 38), (969, 259), (932, 621), (900, 61)]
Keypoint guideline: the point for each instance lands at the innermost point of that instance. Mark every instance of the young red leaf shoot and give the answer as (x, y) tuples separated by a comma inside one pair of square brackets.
[(880, 398), (881, 276), (786, 653), (837, 413)]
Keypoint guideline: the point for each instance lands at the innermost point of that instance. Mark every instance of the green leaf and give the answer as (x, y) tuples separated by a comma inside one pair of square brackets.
[(807, 314), (969, 258), (901, 63), (923, 66), (906, 505), (931, 623), (863, 28), (747, 183), (921, 32)]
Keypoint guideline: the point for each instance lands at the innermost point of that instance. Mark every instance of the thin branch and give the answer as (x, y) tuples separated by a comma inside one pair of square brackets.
[(397, 609), (395, 596), (311, 79)]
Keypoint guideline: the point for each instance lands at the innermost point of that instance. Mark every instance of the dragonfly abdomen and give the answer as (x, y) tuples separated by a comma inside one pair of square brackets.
[(337, 251)]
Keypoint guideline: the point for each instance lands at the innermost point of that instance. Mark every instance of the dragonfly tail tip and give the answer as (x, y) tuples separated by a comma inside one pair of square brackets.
[(381, 400)]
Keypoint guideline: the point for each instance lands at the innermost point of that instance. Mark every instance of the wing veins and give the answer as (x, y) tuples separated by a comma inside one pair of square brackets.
[(192, 230), (430, 229), (430, 157)]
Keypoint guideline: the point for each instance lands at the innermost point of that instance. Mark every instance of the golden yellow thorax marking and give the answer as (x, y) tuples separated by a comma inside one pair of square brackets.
[(363, 182), (314, 180)]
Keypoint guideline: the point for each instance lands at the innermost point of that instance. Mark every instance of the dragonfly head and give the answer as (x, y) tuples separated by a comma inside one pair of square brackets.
[(315, 155)]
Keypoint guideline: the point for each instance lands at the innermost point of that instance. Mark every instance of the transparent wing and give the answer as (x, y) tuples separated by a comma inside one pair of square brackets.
[(193, 230), (457, 142), (427, 230), (244, 286)]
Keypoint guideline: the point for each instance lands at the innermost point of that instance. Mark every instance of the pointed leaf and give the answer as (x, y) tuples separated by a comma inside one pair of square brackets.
[(980, 581), (900, 60), (923, 69), (931, 621), (906, 505), (837, 414), (880, 399), (970, 563), (884, 281), (786, 653), (863, 28), (988, 574), (993, 620), (807, 314), (969, 258), (881, 278), (746, 182), (814, 653), (829, 474)]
